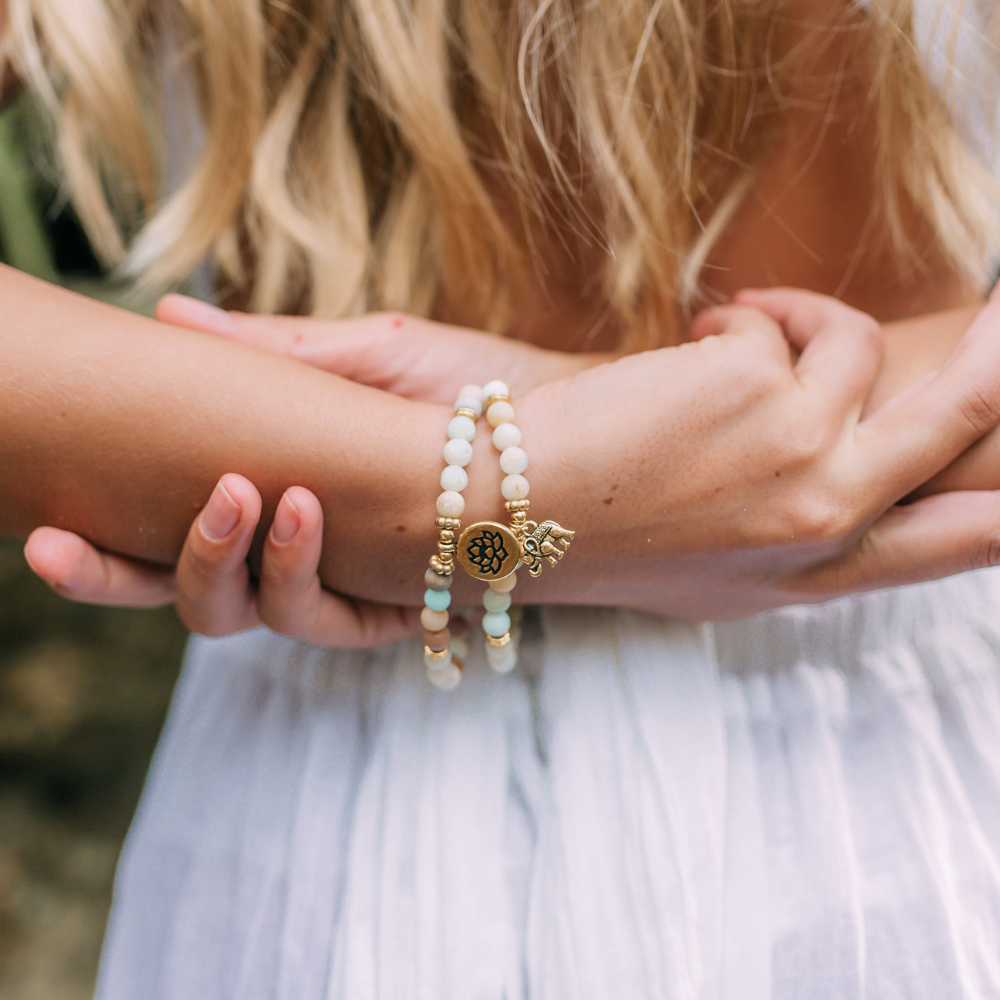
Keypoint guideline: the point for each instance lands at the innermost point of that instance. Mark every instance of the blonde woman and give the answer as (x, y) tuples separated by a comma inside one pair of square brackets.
[(800, 803)]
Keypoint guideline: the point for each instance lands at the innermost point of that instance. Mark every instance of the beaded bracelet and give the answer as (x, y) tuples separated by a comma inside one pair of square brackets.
[(443, 654), (490, 551)]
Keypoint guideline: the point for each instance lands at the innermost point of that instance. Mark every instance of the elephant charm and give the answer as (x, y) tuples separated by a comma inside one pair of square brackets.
[(539, 542)]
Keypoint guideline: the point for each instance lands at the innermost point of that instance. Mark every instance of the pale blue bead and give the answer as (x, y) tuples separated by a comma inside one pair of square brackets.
[(495, 601), (496, 623), (437, 600)]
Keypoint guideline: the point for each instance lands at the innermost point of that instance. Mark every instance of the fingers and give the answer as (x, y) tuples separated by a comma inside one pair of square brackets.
[(934, 537), (927, 425), (291, 599), (80, 572), (214, 594), (841, 348)]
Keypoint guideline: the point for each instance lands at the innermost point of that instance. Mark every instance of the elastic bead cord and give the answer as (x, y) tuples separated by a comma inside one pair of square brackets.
[(444, 655)]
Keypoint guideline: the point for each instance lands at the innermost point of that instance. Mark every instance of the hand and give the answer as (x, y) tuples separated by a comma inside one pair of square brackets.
[(763, 485), (410, 357), (211, 583)]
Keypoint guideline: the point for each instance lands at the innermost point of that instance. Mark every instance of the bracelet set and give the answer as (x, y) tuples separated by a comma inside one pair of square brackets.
[(487, 550)]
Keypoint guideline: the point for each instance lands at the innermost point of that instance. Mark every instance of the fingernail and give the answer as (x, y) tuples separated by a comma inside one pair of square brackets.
[(286, 521), (221, 514), (204, 311)]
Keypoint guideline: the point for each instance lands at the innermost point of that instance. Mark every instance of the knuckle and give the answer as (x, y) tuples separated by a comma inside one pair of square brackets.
[(823, 516), (980, 407), (986, 551)]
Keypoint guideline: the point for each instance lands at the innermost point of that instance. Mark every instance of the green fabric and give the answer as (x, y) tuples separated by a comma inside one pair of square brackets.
[(25, 240)]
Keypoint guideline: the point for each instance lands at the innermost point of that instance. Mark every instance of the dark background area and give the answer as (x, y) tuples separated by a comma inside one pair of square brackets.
[(83, 691)]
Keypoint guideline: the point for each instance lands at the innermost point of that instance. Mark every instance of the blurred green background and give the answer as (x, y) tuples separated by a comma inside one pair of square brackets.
[(83, 691)]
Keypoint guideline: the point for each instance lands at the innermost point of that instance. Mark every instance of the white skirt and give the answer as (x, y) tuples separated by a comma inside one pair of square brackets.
[(803, 805)]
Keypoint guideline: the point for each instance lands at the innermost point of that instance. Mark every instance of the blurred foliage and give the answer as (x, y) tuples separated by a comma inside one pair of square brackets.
[(83, 691)]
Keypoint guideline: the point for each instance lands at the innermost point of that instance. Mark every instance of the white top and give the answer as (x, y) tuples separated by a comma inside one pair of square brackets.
[(804, 805)]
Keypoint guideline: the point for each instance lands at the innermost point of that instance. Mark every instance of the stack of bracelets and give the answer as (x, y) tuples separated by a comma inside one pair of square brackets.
[(486, 550)]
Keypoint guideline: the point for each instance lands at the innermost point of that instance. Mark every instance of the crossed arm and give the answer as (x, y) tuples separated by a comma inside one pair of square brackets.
[(118, 428)]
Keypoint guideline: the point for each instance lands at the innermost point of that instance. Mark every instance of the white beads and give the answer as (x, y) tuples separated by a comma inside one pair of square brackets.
[(458, 451), (450, 504), (514, 488), (500, 412), (472, 390), (502, 659), (462, 427), (494, 600), (447, 678), (504, 585), (473, 403), (438, 664), (454, 478), (513, 460), (495, 388), (433, 620), (506, 436)]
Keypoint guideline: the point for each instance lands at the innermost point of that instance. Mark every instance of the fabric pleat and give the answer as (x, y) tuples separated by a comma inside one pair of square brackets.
[(802, 805)]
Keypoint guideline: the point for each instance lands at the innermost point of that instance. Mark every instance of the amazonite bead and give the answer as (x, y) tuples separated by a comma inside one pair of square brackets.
[(445, 678), (461, 427), (437, 600), (454, 477), (513, 460), (450, 504), (494, 600), (495, 388), (502, 659), (496, 623), (514, 488), (473, 403), (500, 413), (506, 436), (433, 620), (472, 390), (505, 584), (458, 451)]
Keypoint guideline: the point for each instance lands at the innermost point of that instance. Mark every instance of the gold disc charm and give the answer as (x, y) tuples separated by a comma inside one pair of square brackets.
[(488, 550)]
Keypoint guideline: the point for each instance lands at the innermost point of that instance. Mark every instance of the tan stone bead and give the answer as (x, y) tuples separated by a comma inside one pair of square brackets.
[(434, 621)]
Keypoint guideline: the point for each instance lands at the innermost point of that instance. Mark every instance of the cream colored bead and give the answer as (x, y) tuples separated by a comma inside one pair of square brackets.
[(473, 403), (462, 427), (447, 678), (434, 621), (500, 413), (459, 647), (504, 585), (495, 388), (513, 460), (502, 659), (450, 504), (472, 390), (458, 451), (506, 436), (454, 478), (514, 488)]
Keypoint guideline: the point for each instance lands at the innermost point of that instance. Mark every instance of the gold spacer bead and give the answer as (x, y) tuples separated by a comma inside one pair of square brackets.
[(490, 400), (435, 654), (453, 523), (464, 411), (443, 567), (516, 505), (446, 548), (500, 641), (447, 535)]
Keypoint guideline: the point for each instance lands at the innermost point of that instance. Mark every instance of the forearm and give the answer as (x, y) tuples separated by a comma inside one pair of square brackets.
[(118, 428)]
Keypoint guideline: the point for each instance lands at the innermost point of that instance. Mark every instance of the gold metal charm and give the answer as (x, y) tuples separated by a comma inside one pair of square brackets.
[(488, 550), (539, 542)]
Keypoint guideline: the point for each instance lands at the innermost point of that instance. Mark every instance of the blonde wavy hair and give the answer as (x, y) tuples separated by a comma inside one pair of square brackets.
[(423, 154)]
